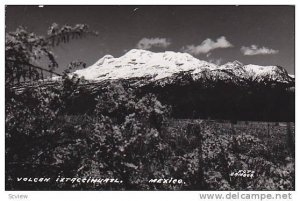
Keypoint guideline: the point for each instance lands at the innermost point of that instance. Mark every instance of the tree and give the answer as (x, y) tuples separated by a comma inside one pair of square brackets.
[(24, 49)]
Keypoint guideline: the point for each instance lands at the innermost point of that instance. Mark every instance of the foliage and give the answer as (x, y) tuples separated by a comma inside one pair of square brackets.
[(225, 151), (119, 142), (24, 51), (128, 137)]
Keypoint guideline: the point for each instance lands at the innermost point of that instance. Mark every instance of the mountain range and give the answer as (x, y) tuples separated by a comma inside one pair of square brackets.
[(164, 67), (194, 88)]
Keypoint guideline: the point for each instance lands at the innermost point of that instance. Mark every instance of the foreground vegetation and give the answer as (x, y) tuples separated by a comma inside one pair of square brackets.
[(133, 139)]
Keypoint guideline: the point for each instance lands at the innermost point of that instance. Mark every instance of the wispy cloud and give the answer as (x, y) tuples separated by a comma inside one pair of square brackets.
[(216, 61), (148, 43), (255, 50), (207, 45)]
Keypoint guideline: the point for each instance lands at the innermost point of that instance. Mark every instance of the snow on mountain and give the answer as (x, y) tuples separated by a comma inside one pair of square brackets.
[(235, 68), (275, 73), (156, 66), (231, 65), (256, 72), (143, 63)]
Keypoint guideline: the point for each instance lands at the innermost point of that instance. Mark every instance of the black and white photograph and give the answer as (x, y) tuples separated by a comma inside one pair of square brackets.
[(150, 97)]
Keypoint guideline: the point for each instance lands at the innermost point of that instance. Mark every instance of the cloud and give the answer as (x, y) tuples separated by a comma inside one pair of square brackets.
[(216, 61), (255, 50), (208, 45), (208, 54), (148, 43)]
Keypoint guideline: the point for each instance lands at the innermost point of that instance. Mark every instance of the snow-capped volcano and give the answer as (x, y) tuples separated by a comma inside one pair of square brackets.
[(156, 66), (143, 63)]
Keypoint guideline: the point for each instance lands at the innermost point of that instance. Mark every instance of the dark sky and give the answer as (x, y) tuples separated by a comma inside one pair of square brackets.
[(122, 27)]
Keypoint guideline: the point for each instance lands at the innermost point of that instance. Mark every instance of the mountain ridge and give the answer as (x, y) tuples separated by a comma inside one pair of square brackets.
[(142, 64)]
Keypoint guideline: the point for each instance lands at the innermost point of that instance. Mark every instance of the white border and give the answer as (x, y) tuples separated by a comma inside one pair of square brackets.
[(131, 195)]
